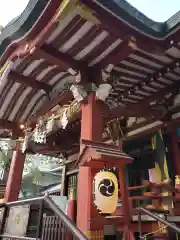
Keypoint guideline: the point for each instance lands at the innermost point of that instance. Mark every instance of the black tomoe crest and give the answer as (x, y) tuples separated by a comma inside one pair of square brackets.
[(105, 192), (106, 187)]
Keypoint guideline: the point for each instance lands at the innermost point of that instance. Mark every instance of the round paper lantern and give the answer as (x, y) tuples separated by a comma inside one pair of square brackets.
[(105, 191)]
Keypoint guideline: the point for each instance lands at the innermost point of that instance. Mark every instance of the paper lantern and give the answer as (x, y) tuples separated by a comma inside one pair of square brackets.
[(105, 191)]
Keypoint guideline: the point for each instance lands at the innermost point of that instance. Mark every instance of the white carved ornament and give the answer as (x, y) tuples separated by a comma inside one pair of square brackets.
[(78, 92), (103, 91), (64, 119)]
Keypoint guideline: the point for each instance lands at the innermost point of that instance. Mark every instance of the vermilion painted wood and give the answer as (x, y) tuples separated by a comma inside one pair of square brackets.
[(91, 129), (15, 175)]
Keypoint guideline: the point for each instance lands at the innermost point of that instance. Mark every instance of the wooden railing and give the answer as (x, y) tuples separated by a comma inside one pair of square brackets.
[(157, 218), (155, 194)]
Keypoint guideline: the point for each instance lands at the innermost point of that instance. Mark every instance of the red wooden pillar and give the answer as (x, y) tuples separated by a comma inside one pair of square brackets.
[(91, 129), (15, 175), (92, 124), (71, 206)]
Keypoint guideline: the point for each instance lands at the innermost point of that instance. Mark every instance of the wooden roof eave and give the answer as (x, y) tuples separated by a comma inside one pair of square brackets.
[(37, 39), (18, 43), (41, 36), (35, 45), (52, 7), (133, 107), (147, 38)]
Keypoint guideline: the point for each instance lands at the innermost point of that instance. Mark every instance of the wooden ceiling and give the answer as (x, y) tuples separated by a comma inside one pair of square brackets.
[(43, 64)]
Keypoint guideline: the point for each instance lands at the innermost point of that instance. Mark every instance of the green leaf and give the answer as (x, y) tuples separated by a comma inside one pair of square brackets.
[(36, 175)]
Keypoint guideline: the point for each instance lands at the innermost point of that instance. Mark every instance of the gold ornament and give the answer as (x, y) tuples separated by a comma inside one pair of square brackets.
[(17, 219)]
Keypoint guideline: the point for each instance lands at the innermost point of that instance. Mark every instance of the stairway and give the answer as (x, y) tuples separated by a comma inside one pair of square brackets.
[(151, 226), (49, 221), (163, 231), (151, 215)]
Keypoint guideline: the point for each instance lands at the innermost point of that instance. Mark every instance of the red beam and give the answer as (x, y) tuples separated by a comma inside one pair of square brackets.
[(55, 57), (44, 148), (127, 112), (7, 124), (64, 98), (29, 81)]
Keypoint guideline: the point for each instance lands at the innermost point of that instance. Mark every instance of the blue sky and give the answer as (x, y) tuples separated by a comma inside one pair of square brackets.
[(158, 10), (10, 9)]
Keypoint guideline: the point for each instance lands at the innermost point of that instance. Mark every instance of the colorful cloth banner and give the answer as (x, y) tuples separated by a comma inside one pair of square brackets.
[(160, 172)]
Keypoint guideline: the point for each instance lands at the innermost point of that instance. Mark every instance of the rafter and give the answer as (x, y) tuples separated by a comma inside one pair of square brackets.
[(66, 62), (159, 95), (29, 81), (168, 68), (55, 57), (142, 107), (125, 48), (121, 30)]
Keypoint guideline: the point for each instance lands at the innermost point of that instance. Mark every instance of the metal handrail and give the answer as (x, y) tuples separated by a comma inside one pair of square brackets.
[(68, 223), (156, 217)]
